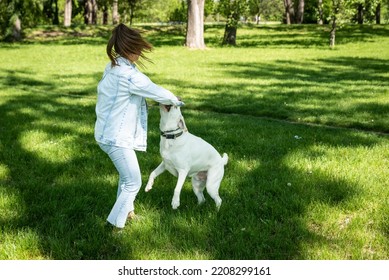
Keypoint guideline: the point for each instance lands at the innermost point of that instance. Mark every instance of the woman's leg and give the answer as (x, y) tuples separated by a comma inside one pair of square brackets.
[(130, 181)]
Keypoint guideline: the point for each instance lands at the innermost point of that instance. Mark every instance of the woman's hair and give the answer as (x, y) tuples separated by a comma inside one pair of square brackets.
[(125, 42)]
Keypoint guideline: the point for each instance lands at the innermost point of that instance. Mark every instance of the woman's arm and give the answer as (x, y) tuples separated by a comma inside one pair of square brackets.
[(140, 84)]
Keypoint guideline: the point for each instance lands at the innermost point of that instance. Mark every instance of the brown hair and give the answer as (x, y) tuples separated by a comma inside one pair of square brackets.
[(126, 41)]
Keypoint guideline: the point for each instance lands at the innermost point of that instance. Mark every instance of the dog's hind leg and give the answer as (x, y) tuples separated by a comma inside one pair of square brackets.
[(158, 171), (215, 176), (198, 184)]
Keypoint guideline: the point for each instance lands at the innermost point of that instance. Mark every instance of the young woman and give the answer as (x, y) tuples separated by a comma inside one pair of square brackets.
[(121, 110)]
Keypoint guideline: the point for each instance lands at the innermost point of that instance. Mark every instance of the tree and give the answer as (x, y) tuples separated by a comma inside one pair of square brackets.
[(104, 7), (94, 11), (51, 11), (334, 18), (134, 6), (266, 10), (68, 13), (291, 15), (300, 12), (378, 14), (289, 11), (361, 10), (180, 12), (320, 12), (367, 11), (232, 10), (195, 26), (341, 11), (90, 11), (16, 28), (18, 14), (255, 9), (115, 12)]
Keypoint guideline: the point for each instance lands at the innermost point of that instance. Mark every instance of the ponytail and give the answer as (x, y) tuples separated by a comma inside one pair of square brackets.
[(125, 42)]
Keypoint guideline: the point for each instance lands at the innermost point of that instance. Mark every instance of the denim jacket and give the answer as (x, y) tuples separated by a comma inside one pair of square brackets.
[(121, 107)]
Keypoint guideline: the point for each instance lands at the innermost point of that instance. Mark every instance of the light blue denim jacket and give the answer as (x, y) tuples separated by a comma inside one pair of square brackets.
[(121, 107)]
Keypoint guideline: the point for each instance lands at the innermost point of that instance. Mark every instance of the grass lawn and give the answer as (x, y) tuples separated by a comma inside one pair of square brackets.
[(305, 127)]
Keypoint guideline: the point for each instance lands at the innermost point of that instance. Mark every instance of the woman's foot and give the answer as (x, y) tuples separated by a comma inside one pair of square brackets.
[(133, 217)]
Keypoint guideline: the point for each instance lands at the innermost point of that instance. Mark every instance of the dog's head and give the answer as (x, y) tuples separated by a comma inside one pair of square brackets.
[(171, 118)]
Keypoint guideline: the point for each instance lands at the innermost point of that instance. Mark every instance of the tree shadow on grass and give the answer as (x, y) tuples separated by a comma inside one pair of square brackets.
[(343, 91), (63, 183), (264, 199), (57, 172), (75, 35)]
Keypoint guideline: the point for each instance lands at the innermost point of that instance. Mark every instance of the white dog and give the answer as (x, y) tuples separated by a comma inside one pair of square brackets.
[(184, 154)]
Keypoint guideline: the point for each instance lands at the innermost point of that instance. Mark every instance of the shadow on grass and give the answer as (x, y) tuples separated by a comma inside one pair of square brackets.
[(74, 35), (57, 192), (67, 195), (261, 215), (345, 91)]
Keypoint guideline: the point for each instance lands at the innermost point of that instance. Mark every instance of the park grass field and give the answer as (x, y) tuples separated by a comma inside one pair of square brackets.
[(306, 129)]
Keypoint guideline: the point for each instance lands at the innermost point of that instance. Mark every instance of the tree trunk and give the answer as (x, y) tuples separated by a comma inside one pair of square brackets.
[(300, 12), (68, 13), (378, 14), (289, 11), (360, 14), (16, 29), (55, 15), (131, 16), (115, 14), (88, 12), (231, 26), (230, 35), (320, 9), (94, 11), (132, 10), (195, 26), (105, 14), (332, 33), (257, 19)]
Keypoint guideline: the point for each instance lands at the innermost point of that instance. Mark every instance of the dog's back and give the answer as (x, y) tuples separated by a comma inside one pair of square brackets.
[(192, 153)]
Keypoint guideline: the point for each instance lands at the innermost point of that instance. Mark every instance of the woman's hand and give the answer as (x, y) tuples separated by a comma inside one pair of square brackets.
[(179, 102)]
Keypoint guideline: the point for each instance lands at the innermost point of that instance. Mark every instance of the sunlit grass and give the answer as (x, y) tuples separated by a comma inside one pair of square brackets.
[(293, 189)]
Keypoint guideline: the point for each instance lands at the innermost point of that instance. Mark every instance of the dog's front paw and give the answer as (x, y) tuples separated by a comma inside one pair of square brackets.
[(175, 203)]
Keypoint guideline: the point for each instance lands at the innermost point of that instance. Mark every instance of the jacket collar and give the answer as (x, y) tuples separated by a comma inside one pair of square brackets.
[(121, 60)]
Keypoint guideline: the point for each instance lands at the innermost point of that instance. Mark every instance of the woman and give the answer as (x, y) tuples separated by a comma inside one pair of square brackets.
[(121, 110)]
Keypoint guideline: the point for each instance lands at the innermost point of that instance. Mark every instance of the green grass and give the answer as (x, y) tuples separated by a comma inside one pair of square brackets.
[(304, 126)]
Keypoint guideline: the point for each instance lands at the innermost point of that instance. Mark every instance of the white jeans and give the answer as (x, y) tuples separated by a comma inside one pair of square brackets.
[(130, 181)]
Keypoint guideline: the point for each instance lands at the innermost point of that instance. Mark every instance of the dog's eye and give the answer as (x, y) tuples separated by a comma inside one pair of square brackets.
[(168, 107)]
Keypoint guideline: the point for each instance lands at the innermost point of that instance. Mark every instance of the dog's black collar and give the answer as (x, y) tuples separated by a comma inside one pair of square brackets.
[(171, 136)]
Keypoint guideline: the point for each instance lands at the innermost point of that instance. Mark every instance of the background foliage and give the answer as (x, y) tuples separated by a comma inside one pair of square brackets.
[(34, 12)]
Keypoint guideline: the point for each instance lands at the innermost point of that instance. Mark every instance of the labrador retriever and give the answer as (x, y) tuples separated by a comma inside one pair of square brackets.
[(184, 154)]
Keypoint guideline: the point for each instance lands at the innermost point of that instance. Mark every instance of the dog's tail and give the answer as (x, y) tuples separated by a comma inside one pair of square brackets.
[(225, 159)]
